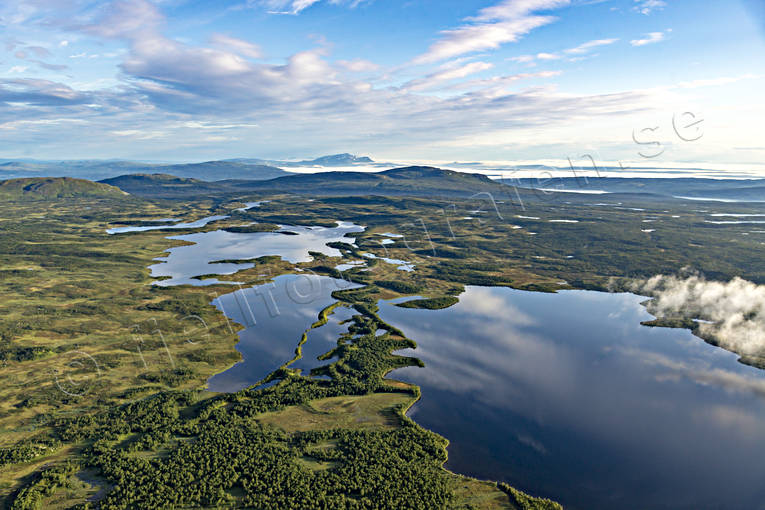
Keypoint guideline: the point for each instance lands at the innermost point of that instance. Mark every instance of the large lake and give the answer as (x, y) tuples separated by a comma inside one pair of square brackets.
[(567, 396)]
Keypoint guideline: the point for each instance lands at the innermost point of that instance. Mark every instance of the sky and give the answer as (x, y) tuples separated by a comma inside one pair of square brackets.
[(631, 82)]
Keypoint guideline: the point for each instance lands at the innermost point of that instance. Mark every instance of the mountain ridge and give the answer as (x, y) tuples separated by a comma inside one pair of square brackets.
[(57, 187), (413, 180)]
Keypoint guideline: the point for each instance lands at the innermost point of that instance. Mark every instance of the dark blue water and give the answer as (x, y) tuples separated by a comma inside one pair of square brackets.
[(323, 339), (567, 396), (275, 315)]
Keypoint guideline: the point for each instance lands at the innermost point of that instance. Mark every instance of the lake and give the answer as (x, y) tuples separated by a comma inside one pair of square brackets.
[(275, 315), (169, 224), (184, 263), (567, 396)]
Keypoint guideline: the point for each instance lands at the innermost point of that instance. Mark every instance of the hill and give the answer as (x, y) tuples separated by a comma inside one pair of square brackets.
[(164, 186), (339, 160), (413, 181), (744, 194), (56, 187), (79, 169), (220, 170), (99, 170)]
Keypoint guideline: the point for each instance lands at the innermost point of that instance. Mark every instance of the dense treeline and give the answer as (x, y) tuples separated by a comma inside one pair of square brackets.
[(399, 286), (526, 502), (438, 303), (217, 453), (44, 484), (232, 456), (28, 449)]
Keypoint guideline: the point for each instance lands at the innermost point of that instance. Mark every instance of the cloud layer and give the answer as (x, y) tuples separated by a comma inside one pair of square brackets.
[(166, 85)]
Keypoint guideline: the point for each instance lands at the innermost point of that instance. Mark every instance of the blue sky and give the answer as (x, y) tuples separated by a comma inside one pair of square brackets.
[(428, 80)]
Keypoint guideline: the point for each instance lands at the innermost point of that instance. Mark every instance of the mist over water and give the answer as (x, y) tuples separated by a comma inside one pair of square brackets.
[(732, 312)]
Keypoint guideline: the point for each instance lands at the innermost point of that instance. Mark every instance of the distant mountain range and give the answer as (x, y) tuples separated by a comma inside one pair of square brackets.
[(244, 169), (421, 181), (97, 170)]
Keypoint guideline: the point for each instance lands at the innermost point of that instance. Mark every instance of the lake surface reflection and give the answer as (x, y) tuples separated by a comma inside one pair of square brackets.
[(275, 315), (170, 224), (567, 396), (183, 263), (323, 339)]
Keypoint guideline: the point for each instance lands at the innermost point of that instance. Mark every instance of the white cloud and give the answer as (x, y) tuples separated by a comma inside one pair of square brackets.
[(513, 9), (649, 38), (297, 6), (39, 92), (291, 6), (491, 28), (586, 47), (582, 49), (126, 19), (523, 59), (240, 46), (648, 6), (735, 309), (548, 56), (358, 65), (497, 85), (449, 73)]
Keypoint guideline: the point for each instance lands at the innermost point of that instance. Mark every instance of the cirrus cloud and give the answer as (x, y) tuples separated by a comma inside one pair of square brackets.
[(297, 6), (493, 26), (649, 38)]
